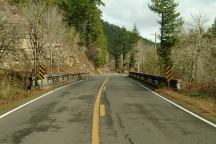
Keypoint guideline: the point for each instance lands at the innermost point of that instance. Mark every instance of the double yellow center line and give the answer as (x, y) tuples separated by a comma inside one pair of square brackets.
[(96, 114)]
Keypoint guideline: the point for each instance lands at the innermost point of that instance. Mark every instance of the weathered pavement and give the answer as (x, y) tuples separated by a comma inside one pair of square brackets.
[(137, 116), (133, 116), (63, 117)]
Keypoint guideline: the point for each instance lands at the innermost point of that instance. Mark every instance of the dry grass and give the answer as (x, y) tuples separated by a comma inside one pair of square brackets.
[(200, 88), (11, 97), (204, 106)]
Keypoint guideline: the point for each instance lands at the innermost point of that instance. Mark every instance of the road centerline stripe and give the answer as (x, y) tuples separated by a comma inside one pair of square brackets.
[(102, 110), (96, 113)]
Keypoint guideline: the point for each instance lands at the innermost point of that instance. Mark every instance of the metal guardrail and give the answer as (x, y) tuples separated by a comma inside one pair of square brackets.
[(54, 79), (156, 80)]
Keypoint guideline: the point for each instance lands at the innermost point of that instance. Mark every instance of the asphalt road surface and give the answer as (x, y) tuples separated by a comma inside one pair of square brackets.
[(133, 115)]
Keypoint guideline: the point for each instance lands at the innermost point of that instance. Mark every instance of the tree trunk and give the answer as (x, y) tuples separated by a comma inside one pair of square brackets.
[(125, 62), (119, 63)]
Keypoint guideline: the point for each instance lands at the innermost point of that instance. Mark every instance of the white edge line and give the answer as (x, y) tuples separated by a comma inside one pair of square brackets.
[(13, 110), (182, 108)]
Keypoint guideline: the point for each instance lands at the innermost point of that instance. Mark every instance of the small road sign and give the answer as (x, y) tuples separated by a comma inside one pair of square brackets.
[(41, 71), (168, 73)]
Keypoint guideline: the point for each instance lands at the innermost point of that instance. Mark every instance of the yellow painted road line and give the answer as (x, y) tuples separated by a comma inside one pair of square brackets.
[(102, 110), (95, 124)]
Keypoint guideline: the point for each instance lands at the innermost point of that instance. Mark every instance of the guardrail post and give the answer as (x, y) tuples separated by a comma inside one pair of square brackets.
[(153, 80), (178, 85)]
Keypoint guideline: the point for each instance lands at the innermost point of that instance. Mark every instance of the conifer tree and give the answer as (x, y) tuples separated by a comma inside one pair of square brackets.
[(213, 29), (135, 35), (171, 24), (86, 17)]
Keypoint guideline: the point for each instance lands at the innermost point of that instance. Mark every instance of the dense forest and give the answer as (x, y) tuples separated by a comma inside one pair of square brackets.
[(122, 45), (114, 34)]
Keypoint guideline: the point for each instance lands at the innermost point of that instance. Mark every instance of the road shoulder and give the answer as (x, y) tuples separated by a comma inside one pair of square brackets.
[(9, 105), (192, 105)]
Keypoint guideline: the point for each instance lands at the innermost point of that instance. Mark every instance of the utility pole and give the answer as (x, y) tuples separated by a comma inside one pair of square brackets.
[(51, 59), (155, 45)]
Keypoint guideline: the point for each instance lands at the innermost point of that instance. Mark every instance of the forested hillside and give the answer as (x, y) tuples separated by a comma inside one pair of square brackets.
[(85, 17), (65, 36), (122, 45), (51, 29)]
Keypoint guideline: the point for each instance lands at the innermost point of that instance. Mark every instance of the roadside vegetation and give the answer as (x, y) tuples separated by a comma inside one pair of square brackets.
[(69, 36), (192, 55), (66, 36)]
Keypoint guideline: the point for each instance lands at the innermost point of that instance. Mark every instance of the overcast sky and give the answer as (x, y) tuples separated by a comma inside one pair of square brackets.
[(129, 12)]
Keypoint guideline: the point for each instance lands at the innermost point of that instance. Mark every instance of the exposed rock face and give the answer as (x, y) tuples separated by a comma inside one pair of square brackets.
[(57, 57)]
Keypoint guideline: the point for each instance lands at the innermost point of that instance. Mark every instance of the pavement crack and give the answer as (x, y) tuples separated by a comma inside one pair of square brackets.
[(127, 136), (108, 120), (39, 121), (120, 122), (130, 140)]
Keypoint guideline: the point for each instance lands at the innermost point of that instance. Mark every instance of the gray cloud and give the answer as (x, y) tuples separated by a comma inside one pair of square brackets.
[(129, 12)]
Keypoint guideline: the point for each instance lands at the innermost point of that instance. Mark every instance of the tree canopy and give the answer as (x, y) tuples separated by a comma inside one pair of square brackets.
[(171, 24), (213, 29), (85, 16), (120, 40)]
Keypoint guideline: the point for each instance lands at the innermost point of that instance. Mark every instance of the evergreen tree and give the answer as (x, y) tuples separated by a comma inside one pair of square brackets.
[(171, 24), (86, 17), (114, 39), (135, 37), (50, 2), (121, 42), (212, 30)]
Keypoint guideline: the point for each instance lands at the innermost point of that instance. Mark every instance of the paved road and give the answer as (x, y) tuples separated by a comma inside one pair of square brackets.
[(137, 116), (133, 116), (64, 117)]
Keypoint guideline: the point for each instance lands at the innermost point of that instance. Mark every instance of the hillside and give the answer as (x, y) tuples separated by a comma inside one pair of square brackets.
[(58, 46), (125, 47), (111, 31)]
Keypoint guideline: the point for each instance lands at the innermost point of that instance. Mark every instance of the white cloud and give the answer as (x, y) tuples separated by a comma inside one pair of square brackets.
[(128, 12)]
